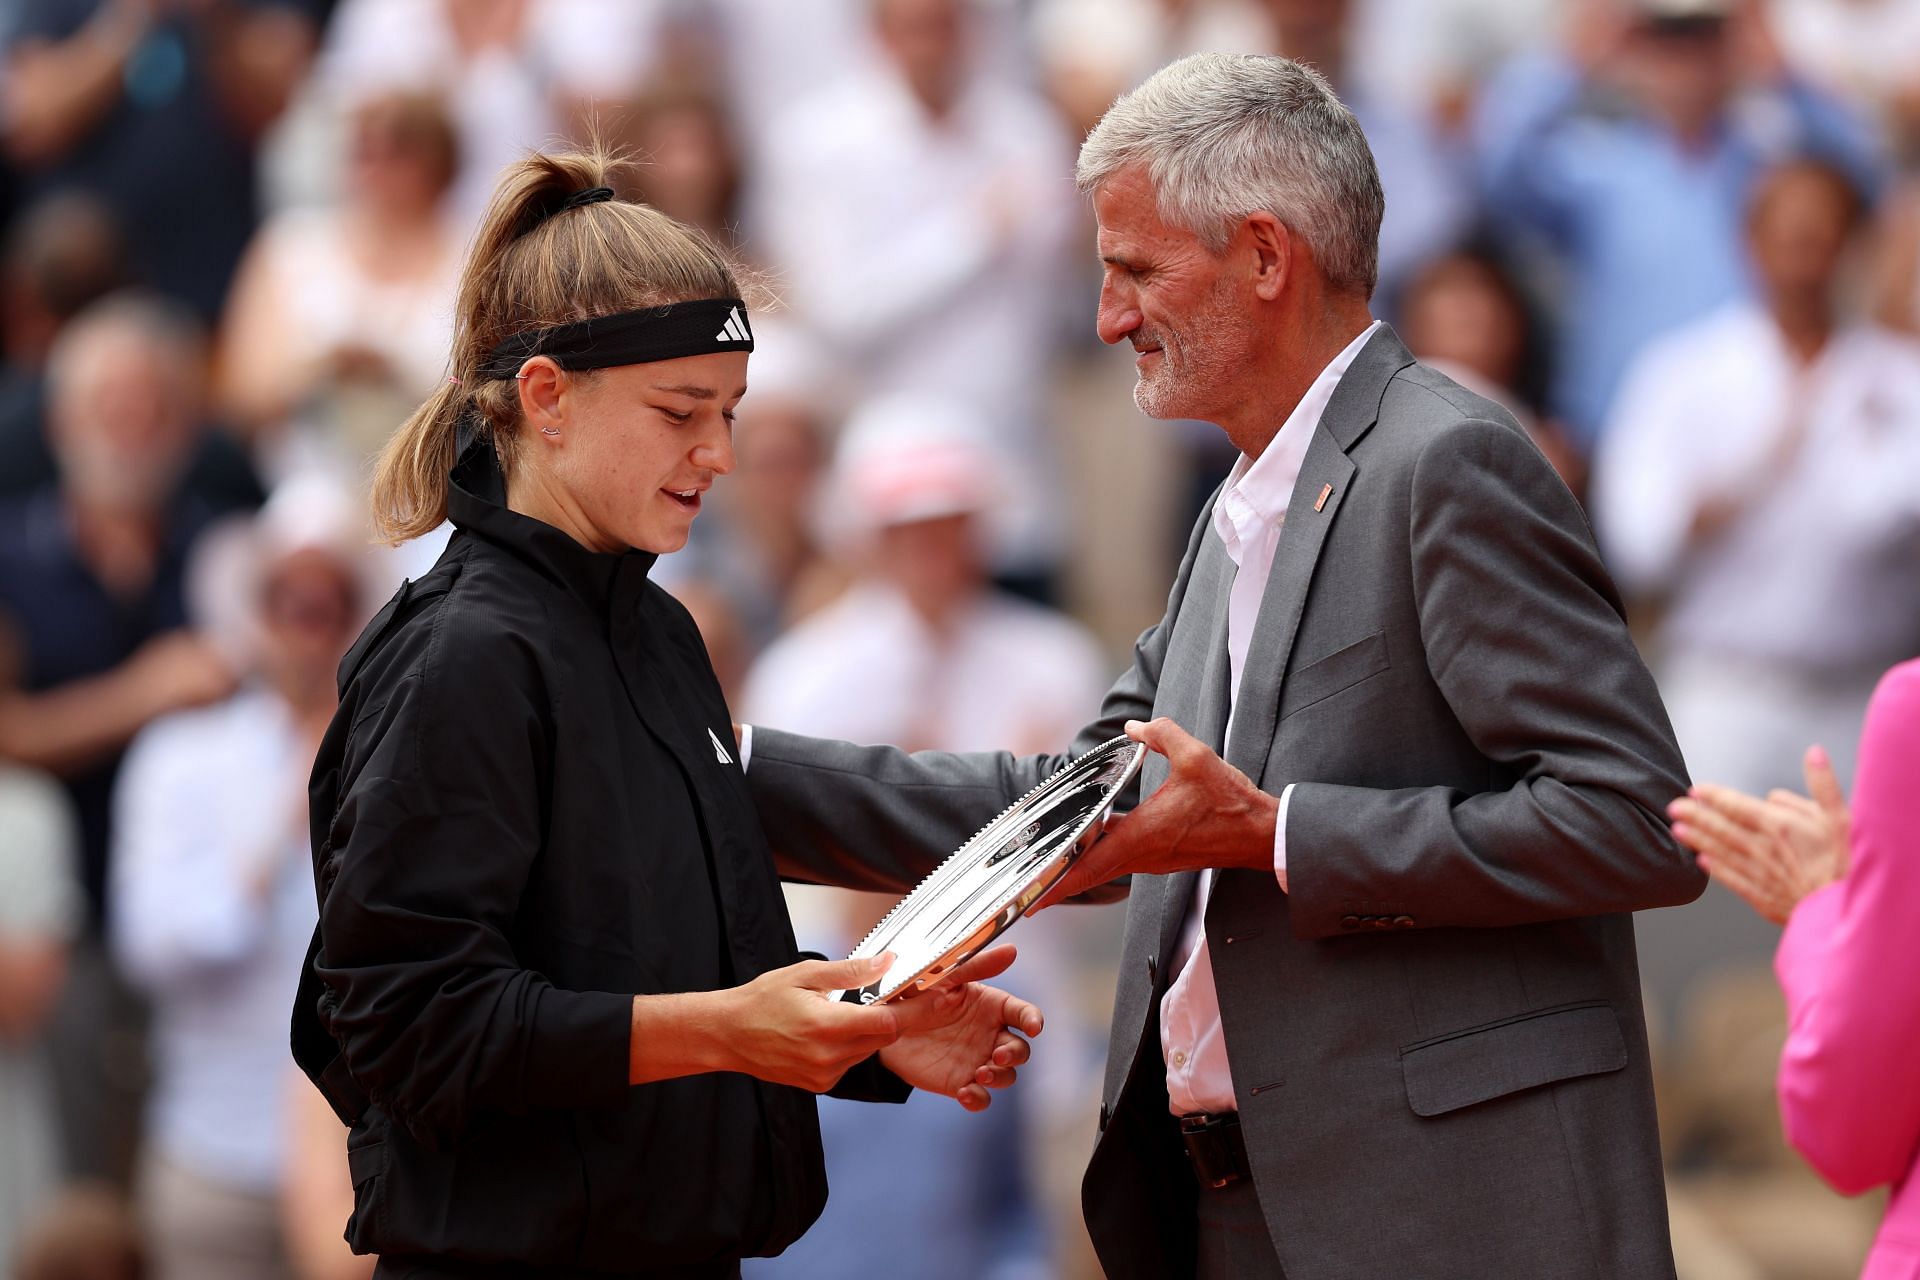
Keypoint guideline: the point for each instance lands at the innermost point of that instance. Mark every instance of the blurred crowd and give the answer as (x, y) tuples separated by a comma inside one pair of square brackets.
[(1680, 239)]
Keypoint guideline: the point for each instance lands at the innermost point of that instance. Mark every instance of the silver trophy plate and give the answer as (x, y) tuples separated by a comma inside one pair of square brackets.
[(992, 879)]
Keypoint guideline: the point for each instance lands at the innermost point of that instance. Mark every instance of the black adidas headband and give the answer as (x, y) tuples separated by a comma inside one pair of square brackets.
[(696, 328)]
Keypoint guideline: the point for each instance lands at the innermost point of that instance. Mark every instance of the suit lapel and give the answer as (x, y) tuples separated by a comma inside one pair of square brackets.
[(1318, 493), (1325, 469), (1212, 586)]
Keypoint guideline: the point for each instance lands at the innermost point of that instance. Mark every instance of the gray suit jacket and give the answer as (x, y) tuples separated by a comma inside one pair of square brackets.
[(1436, 1037)]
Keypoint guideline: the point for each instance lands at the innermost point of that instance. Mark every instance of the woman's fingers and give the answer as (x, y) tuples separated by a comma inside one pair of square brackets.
[(1708, 845), (1736, 807), (1756, 895), (1712, 823), (840, 975), (1822, 784)]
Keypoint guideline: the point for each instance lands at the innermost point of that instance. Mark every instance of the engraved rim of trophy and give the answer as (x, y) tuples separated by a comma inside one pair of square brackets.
[(992, 879)]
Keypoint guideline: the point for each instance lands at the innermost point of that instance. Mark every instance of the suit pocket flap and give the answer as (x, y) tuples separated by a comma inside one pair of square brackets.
[(1483, 1063), (1339, 670)]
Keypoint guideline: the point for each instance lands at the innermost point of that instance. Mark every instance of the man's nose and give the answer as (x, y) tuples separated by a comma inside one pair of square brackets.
[(1118, 316)]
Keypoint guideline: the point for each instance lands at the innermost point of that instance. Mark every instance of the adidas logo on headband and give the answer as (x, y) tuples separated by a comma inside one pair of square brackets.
[(735, 329)]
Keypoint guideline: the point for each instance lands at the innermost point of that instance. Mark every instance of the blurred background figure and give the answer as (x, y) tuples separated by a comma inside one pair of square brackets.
[(1720, 486), (1092, 51), (679, 128), (40, 913), (917, 213), (923, 651), (62, 254), (1428, 203), (153, 107), (1630, 152), (1867, 51), (1464, 314), (514, 74), (87, 1233), (316, 1196), (761, 560), (213, 887), (93, 645), (339, 321)]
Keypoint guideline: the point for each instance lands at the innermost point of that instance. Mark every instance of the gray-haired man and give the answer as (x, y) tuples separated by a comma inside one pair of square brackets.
[(1408, 770)]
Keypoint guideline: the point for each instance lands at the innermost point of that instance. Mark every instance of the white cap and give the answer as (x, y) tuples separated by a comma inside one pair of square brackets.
[(232, 560), (910, 457)]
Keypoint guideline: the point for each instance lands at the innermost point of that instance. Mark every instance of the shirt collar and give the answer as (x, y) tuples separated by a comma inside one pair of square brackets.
[(1258, 489), (477, 503)]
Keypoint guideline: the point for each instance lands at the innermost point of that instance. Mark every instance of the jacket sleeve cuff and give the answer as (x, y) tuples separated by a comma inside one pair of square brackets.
[(870, 1081), (580, 1051), (1808, 943)]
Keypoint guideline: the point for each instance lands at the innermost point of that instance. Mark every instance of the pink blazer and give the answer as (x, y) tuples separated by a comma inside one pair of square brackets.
[(1849, 963)]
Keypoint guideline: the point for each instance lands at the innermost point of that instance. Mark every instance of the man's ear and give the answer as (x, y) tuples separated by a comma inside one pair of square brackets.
[(542, 390), (1273, 249)]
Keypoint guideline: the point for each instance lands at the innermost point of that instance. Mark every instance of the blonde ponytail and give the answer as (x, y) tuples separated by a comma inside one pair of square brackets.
[(410, 479), (534, 264)]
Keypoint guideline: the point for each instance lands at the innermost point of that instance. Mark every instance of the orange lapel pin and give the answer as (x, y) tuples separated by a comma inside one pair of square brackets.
[(1326, 491)]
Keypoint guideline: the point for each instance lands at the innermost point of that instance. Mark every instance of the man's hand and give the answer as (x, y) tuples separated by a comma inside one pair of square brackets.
[(1206, 814), (959, 1039), (1772, 852)]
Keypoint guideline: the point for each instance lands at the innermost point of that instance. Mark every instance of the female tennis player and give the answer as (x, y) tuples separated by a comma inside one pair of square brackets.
[(554, 991)]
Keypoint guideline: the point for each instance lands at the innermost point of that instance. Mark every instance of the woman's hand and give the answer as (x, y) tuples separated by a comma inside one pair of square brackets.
[(961, 1038), (1772, 852), (787, 1026), (791, 1027)]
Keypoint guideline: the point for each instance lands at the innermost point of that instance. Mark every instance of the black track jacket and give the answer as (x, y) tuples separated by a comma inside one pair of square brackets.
[(526, 811)]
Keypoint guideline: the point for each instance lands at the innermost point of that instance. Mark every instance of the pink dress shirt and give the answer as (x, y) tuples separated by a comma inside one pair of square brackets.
[(1248, 517), (1849, 963)]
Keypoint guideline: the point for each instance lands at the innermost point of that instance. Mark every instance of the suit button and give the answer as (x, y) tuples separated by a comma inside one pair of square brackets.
[(1105, 1115), (1153, 970), (1404, 922), (1349, 922)]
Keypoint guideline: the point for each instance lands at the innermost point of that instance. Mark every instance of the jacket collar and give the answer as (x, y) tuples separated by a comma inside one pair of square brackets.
[(1355, 405), (477, 503)]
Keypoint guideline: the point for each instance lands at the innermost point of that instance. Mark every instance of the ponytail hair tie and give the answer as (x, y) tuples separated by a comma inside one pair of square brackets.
[(592, 195), (453, 382)]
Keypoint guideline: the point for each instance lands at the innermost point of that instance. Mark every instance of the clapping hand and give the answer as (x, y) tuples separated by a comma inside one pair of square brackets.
[(962, 1038), (1772, 852)]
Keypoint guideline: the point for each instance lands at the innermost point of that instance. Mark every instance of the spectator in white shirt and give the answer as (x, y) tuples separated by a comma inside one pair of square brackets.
[(339, 319), (514, 72), (917, 213), (215, 894), (1759, 481)]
